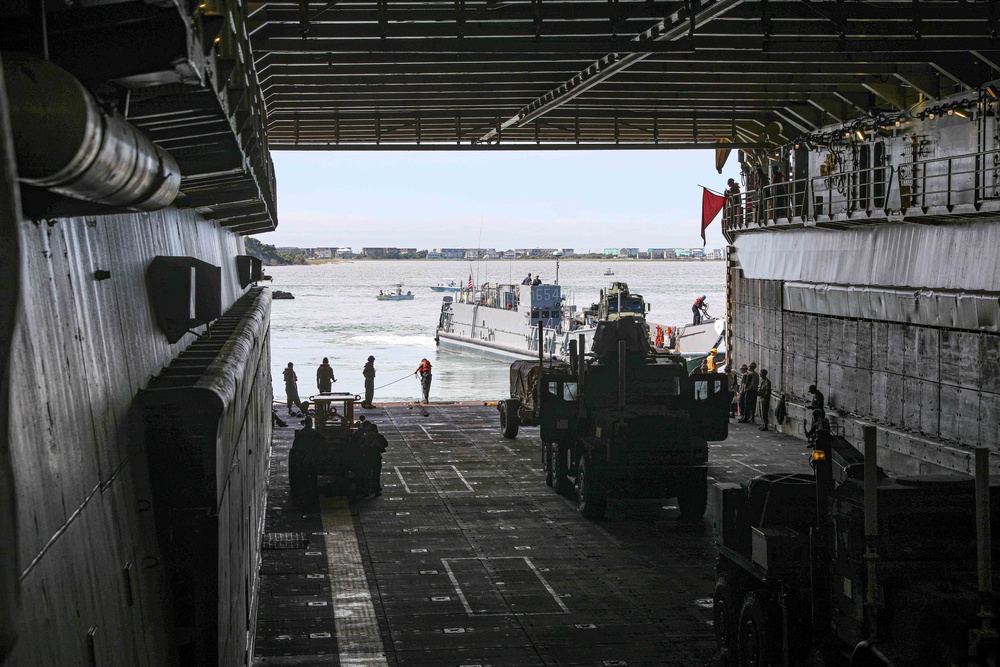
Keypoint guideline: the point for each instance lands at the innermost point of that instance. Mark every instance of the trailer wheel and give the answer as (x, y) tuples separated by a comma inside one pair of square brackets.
[(508, 418), (693, 499), (589, 492), (725, 615), (301, 480), (547, 463), (560, 478), (757, 635)]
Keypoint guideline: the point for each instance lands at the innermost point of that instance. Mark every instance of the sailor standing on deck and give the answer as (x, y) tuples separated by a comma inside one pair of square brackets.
[(424, 373), (292, 389), (699, 309), (527, 281), (324, 377), (369, 373)]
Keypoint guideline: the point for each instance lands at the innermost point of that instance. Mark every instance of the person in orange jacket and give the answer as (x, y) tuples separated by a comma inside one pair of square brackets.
[(424, 373)]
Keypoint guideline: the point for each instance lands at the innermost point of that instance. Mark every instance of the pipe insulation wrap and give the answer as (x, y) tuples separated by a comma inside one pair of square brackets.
[(65, 142)]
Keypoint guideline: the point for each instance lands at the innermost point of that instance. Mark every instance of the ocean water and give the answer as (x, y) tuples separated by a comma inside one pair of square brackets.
[(335, 314)]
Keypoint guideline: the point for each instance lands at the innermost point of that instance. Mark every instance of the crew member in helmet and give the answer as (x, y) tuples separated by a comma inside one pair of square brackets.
[(699, 309), (424, 373), (324, 377)]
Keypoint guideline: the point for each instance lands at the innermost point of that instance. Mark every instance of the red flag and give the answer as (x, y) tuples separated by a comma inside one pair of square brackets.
[(711, 204)]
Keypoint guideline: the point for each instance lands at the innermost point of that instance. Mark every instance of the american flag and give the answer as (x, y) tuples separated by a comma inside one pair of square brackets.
[(470, 282)]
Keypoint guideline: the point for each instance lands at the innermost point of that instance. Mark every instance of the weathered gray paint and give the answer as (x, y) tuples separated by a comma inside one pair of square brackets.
[(83, 349), (9, 298), (934, 392)]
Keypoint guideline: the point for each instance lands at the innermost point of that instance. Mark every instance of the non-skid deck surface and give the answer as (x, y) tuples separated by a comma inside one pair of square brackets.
[(469, 559)]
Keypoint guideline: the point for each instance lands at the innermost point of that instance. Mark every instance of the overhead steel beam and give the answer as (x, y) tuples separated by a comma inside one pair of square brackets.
[(667, 30)]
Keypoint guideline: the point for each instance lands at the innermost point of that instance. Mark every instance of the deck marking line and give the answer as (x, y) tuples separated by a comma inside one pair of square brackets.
[(462, 477), (458, 589), (400, 475), (426, 432), (758, 470), (358, 637)]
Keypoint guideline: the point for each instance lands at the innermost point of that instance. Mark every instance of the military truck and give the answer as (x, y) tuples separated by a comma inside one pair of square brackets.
[(346, 453), (850, 566), (617, 301), (621, 422)]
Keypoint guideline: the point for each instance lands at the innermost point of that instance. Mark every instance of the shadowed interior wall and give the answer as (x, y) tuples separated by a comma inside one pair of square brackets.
[(90, 567), (932, 391)]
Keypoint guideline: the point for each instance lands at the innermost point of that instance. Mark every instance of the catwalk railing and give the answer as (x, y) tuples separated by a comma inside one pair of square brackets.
[(957, 184)]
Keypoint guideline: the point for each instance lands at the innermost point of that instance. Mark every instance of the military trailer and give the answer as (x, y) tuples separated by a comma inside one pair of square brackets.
[(850, 566), (621, 422), (347, 454)]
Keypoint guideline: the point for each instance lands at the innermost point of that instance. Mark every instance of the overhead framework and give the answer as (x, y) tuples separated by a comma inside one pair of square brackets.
[(493, 74)]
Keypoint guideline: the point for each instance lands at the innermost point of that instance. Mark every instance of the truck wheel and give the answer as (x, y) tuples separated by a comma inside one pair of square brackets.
[(725, 616), (508, 419), (301, 480), (547, 463), (757, 635), (560, 479), (589, 491), (693, 499)]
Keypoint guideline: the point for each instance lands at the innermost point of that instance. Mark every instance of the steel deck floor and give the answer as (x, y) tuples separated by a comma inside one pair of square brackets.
[(470, 559)]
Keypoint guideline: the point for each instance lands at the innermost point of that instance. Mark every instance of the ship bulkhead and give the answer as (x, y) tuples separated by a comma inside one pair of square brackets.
[(872, 274), (134, 342)]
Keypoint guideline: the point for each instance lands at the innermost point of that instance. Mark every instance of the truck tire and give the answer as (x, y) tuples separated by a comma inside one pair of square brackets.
[(589, 492), (725, 617), (560, 474), (547, 463), (301, 480), (692, 499), (757, 637), (508, 418)]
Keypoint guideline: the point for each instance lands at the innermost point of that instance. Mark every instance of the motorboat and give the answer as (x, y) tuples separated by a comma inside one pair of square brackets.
[(609, 272), (452, 286), (395, 293)]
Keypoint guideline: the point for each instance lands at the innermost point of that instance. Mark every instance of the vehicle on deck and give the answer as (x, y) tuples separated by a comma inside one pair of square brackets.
[(621, 422), (344, 452), (617, 301), (848, 565)]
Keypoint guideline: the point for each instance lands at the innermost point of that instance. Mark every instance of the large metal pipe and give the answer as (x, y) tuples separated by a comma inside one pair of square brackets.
[(64, 142)]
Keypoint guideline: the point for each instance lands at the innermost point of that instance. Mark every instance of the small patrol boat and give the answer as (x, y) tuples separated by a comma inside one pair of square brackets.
[(395, 293), (452, 286), (609, 272)]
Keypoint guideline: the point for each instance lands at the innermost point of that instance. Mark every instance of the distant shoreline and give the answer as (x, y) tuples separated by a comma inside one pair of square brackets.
[(333, 260)]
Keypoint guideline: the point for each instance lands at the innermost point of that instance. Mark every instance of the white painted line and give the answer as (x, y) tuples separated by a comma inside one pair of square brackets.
[(546, 584), (400, 476), (358, 637), (426, 432), (461, 477), (458, 589), (755, 469)]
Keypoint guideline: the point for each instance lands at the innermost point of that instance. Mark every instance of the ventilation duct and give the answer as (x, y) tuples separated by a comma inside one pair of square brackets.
[(64, 142)]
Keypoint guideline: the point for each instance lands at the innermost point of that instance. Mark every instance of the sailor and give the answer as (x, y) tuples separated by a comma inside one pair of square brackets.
[(816, 402), (369, 373), (699, 309), (292, 389), (710, 361), (819, 422), (734, 384), (659, 336), (742, 400), (764, 399), (734, 207), (671, 338), (536, 281), (324, 377), (424, 373), (527, 279), (752, 384)]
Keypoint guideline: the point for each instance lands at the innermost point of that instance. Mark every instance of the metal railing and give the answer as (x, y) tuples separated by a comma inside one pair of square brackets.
[(871, 192)]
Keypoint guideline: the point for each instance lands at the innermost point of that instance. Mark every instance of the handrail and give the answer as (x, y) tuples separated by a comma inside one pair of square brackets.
[(911, 188)]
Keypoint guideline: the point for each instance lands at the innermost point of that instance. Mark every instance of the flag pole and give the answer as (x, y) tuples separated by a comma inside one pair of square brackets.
[(721, 194)]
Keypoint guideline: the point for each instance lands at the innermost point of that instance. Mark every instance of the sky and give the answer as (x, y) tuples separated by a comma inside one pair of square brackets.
[(585, 200)]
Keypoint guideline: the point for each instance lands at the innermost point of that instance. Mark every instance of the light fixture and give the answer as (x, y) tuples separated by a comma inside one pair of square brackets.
[(961, 114), (993, 91), (860, 135), (898, 123), (931, 115)]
